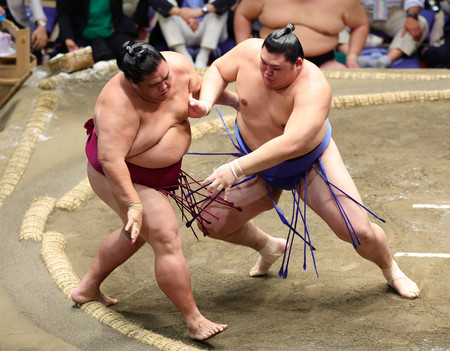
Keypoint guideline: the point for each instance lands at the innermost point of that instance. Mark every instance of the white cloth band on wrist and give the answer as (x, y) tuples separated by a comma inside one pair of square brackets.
[(236, 169), (239, 167), (232, 170), (208, 107)]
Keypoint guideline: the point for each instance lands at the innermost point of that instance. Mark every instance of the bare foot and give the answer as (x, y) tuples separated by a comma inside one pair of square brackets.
[(81, 295), (268, 255), (203, 329), (405, 287)]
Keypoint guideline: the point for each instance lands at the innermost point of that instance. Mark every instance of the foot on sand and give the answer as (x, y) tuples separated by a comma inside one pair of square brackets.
[(80, 295), (404, 286), (203, 329), (274, 248)]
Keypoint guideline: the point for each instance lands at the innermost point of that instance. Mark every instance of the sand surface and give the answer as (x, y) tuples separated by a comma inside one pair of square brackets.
[(398, 155)]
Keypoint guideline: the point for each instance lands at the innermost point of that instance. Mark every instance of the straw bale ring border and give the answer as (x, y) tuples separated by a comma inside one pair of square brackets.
[(53, 243), (19, 159), (53, 253)]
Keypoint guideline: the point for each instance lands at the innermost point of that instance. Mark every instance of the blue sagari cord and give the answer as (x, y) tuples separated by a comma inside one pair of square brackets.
[(296, 210)]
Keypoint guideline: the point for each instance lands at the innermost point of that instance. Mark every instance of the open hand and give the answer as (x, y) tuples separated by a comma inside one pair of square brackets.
[(134, 224), (221, 179)]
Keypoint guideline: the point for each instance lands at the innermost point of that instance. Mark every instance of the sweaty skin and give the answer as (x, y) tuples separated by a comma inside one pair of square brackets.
[(145, 124), (283, 114)]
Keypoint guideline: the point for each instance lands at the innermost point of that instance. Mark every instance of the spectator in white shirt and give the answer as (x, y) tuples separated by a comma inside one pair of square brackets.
[(400, 20)]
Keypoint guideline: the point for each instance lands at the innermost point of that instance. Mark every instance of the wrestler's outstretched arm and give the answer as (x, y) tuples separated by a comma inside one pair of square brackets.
[(306, 121), (217, 77), (201, 108)]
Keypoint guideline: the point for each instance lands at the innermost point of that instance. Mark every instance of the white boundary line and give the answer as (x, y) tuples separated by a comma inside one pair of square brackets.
[(417, 254), (430, 206)]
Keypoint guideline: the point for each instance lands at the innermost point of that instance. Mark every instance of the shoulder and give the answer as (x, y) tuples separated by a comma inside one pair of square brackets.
[(117, 108), (312, 79), (247, 50), (248, 47), (182, 69), (115, 95), (243, 58), (178, 62)]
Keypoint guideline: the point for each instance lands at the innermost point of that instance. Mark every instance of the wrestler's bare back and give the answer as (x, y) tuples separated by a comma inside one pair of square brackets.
[(264, 112), (317, 22), (158, 131)]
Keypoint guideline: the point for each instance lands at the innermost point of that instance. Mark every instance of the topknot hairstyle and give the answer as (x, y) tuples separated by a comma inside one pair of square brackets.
[(138, 59), (284, 41)]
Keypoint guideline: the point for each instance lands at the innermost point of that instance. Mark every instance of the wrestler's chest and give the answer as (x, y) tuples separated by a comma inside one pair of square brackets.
[(267, 113)]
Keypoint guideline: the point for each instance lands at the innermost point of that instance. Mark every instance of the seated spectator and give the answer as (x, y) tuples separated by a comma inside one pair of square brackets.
[(437, 55), (317, 25), (100, 24), (129, 7), (399, 20), (15, 11), (192, 23)]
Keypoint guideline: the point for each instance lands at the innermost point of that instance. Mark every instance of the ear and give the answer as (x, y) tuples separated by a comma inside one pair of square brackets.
[(133, 84), (299, 63)]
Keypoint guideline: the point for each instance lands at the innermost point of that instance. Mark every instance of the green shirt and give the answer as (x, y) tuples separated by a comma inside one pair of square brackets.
[(100, 23)]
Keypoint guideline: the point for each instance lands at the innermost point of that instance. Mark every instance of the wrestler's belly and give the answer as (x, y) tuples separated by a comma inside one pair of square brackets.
[(168, 151), (314, 43)]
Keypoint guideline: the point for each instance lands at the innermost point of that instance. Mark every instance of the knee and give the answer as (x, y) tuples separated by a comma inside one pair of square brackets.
[(368, 233), (362, 232), (208, 228), (213, 229), (163, 239)]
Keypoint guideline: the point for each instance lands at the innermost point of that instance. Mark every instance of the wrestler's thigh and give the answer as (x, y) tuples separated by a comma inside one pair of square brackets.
[(321, 200), (101, 187), (159, 222), (251, 198)]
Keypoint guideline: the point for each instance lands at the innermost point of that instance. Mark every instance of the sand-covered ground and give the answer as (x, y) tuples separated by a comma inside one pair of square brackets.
[(397, 152)]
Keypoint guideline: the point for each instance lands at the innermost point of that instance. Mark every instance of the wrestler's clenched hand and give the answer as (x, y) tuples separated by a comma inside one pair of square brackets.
[(221, 178), (134, 224), (198, 108)]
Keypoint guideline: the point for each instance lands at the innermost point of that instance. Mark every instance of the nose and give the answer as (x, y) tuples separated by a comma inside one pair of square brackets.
[(164, 85), (268, 72)]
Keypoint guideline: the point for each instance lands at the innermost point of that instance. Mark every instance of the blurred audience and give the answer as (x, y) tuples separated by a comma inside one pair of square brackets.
[(437, 55), (399, 20), (317, 25), (187, 24), (15, 11), (100, 24)]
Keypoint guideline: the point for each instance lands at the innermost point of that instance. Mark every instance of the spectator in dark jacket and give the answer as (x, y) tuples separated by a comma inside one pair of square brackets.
[(437, 55), (100, 24)]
